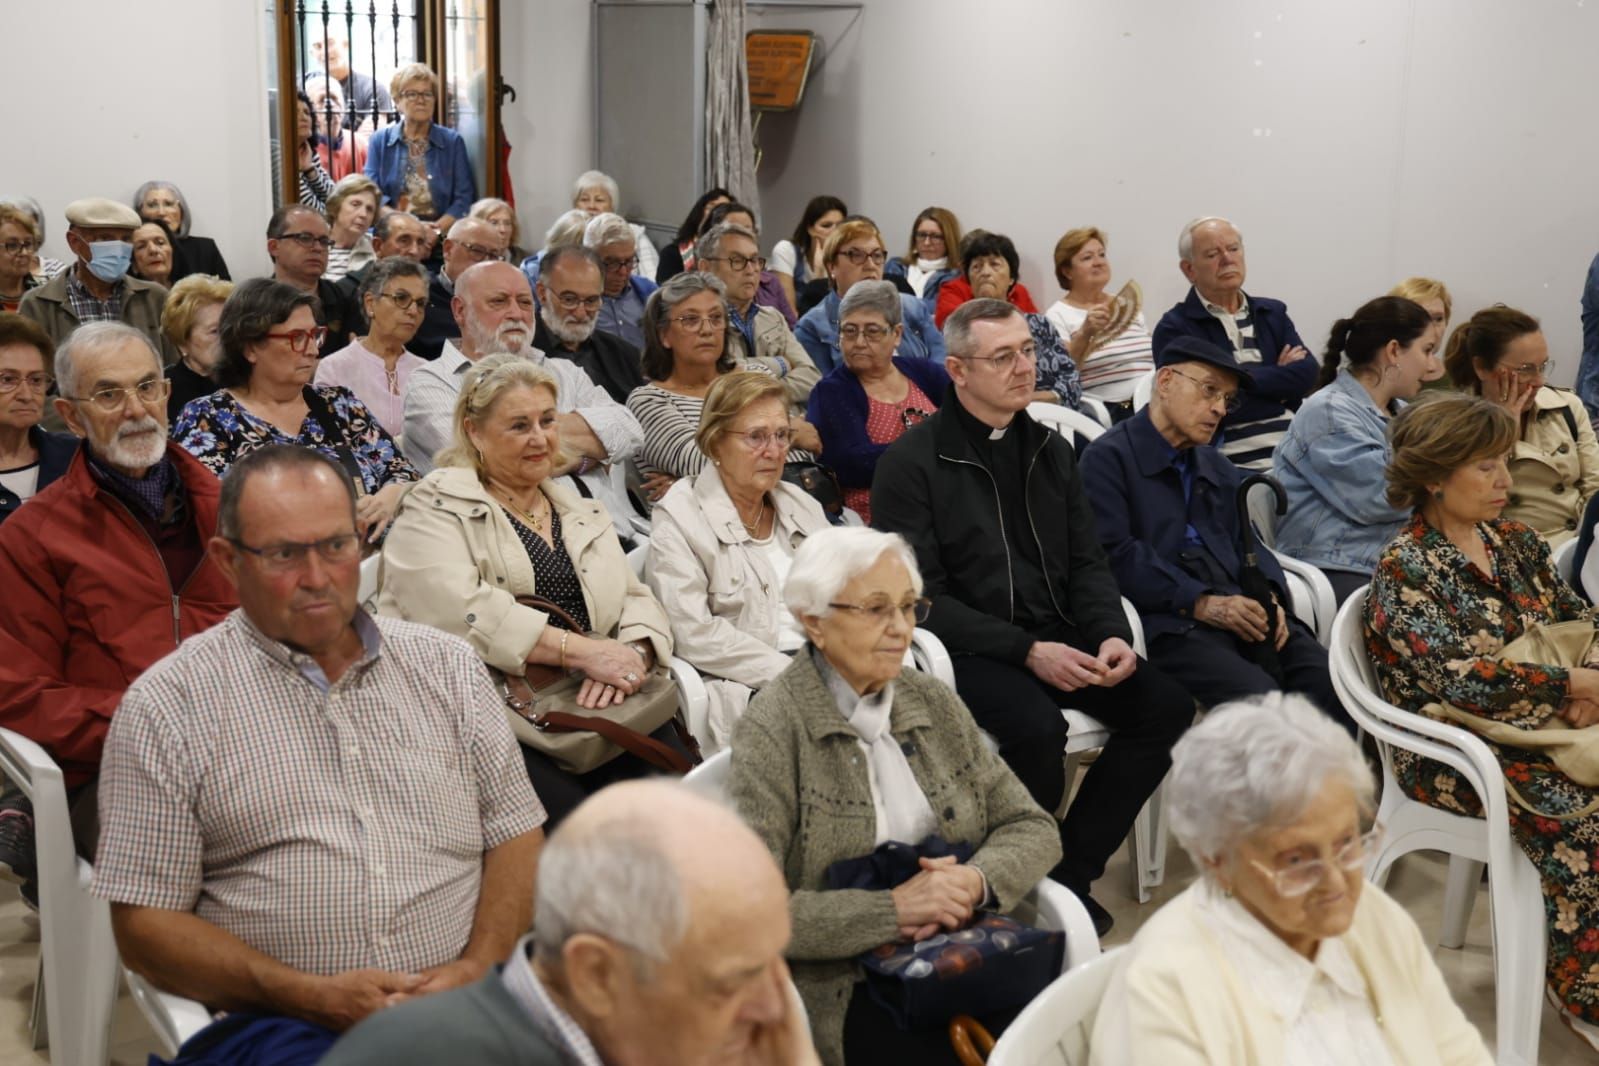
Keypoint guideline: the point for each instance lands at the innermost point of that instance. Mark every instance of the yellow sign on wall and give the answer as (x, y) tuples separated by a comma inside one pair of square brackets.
[(779, 63)]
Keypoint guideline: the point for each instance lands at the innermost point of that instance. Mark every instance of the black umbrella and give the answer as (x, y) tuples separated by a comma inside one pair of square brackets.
[(1252, 582)]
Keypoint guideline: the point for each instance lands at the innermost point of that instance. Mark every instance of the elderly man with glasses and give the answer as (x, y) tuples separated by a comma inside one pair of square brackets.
[(755, 334), (469, 242), (622, 311), (104, 571), (297, 243), (571, 296)]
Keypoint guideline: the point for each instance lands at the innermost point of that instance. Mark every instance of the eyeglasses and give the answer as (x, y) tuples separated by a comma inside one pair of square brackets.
[(928, 237), (480, 253), (856, 256), (404, 300), (739, 262), (417, 94), (1005, 362), (873, 332), (19, 247), (302, 340), (571, 301), (11, 381), (1534, 370), (109, 399), (695, 323), (880, 613), (758, 440), (1300, 877), (613, 265), (1230, 400), (339, 548), (308, 240)]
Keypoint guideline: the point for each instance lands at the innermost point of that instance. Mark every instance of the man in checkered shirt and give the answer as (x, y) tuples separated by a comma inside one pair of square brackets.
[(309, 813)]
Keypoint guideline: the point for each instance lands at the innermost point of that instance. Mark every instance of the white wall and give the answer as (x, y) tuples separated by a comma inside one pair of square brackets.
[(545, 52), (97, 108), (1355, 143)]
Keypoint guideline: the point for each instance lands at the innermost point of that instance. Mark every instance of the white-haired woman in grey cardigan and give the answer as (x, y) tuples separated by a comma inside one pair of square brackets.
[(1304, 963)]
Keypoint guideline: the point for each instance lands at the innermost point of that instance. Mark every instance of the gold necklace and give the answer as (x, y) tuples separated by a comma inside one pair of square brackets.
[(760, 513), (536, 521)]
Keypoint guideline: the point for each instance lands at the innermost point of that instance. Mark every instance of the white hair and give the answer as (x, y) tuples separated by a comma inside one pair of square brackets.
[(1256, 763), (1185, 239), (879, 296), (709, 245), (611, 880), (89, 339), (591, 179), (608, 228), (567, 229), (834, 557)]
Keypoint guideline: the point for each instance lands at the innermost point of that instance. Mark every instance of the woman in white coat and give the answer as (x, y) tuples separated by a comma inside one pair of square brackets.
[(721, 543)]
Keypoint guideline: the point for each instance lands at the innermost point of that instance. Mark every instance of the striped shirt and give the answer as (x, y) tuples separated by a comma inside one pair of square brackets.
[(330, 826), (670, 420), (1112, 370), (529, 992), (1248, 444)]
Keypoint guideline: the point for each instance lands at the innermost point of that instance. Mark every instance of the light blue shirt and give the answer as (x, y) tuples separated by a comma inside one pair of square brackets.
[(817, 332)]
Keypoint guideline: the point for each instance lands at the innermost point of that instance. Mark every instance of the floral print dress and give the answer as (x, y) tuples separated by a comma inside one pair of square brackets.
[(1434, 623), (217, 430)]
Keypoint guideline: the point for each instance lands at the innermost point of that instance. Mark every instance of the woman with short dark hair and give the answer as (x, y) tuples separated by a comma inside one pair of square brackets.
[(193, 254)]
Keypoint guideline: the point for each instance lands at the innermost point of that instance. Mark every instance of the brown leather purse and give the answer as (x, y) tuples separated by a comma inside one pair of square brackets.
[(541, 704)]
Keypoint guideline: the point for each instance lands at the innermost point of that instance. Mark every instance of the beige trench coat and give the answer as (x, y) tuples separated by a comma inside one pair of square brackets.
[(1552, 472)]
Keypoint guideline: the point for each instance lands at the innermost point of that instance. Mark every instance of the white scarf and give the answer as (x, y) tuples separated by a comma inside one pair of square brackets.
[(903, 812)]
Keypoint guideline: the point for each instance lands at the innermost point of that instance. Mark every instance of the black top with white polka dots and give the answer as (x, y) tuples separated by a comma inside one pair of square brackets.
[(553, 574)]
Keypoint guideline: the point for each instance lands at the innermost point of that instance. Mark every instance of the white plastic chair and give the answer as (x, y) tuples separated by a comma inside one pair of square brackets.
[(1564, 557), (1143, 390), (1091, 406), (695, 701), (77, 984), (1312, 596), (1515, 900), (367, 591), (173, 1018), (1054, 1029), (1262, 504), (1063, 419)]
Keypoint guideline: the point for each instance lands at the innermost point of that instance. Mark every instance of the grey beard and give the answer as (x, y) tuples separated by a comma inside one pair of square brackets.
[(573, 333)]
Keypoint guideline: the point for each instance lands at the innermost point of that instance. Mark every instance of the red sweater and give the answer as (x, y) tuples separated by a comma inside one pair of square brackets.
[(957, 291), (88, 608)]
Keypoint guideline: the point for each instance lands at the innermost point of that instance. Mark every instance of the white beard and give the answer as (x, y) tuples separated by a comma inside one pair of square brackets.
[(566, 331), (136, 445)]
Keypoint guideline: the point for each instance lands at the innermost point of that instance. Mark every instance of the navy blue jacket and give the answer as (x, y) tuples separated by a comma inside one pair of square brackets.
[(838, 407), (55, 455), (1277, 388), (1138, 502)]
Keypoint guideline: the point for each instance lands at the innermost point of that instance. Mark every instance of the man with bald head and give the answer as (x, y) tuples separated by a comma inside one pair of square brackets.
[(661, 926), (470, 241), (494, 311)]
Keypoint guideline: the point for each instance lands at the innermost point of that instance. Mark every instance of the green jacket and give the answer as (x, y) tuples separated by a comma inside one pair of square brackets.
[(142, 303), (799, 779)]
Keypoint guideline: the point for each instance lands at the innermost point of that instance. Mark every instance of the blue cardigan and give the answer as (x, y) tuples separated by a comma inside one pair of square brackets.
[(1277, 388), (838, 409), (449, 170)]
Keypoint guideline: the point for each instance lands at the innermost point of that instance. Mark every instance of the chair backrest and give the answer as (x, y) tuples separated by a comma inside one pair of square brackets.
[(710, 777), (367, 590), (1095, 409), (1142, 391), (639, 557), (1263, 513), (1063, 420), (1564, 559), (1054, 1029)]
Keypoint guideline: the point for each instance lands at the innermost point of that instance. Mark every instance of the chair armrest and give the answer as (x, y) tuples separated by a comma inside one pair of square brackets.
[(695, 700), (1136, 624), (173, 1018), (1059, 908), (932, 657), (1323, 605)]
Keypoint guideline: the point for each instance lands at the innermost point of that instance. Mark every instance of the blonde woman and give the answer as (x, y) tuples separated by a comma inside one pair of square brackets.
[(1434, 298), (351, 211)]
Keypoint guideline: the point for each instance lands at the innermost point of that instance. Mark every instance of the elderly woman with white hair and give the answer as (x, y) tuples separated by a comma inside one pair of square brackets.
[(162, 201), (615, 240), (1303, 961), (596, 193), (502, 216), (902, 760)]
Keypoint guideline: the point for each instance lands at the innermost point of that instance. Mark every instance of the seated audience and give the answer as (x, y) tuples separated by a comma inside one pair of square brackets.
[(192, 254), (621, 313), (1259, 332), (1330, 462), (326, 910), (571, 293), (494, 310), (97, 287), (340, 151), (43, 268), (489, 527), (376, 367), (351, 209), (1166, 502), (595, 193), (685, 351), (30, 457), (469, 242), (989, 270), (1434, 298), (934, 254), (854, 253), (603, 979), (798, 259), (104, 571), (1022, 594), (419, 165), (722, 542), (567, 229), (396, 233), (298, 244), (679, 256), (1500, 354), (869, 400), (152, 253), (1104, 332), (19, 239), (857, 593), (191, 320), (770, 292), (1455, 586), (1301, 957), (502, 216), (265, 396), (756, 334)]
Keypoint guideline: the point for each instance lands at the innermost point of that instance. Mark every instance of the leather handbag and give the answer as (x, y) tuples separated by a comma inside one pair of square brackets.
[(541, 704), (820, 482)]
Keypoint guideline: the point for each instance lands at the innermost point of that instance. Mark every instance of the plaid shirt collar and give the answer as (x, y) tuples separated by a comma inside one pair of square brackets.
[(528, 991), (86, 306), (305, 665)]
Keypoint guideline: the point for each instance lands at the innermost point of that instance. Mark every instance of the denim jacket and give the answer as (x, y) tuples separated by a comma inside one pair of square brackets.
[(449, 170), (1331, 462)]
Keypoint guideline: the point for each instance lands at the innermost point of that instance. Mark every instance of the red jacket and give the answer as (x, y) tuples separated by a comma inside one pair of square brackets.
[(957, 291), (86, 607)]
